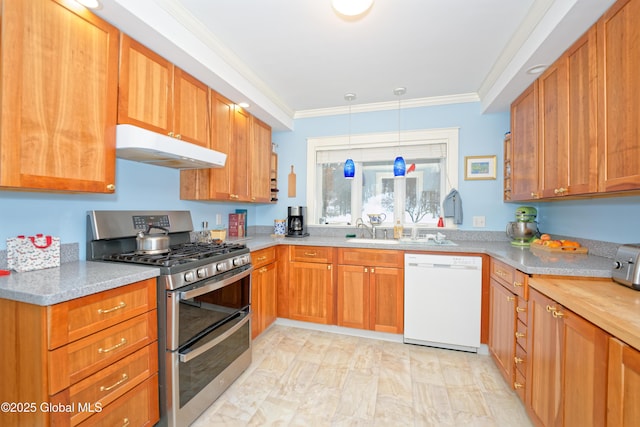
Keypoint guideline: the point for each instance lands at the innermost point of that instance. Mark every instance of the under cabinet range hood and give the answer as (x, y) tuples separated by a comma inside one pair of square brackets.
[(142, 145)]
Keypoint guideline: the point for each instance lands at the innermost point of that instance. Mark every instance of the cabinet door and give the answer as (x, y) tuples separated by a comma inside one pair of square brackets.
[(386, 299), (59, 98), (623, 385), (221, 138), (552, 131), (256, 302), (240, 164), (260, 154), (269, 294), (502, 327), (584, 372), (524, 139), (191, 118), (544, 382), (619, 92), (311, 292), (582, 120), (145, 88), (353, 296)]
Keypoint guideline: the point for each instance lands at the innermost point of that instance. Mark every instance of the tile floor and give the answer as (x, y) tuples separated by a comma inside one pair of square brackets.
[(302, 377)]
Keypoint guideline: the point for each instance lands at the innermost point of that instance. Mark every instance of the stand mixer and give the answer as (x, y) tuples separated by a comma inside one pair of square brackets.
[(525, 228)]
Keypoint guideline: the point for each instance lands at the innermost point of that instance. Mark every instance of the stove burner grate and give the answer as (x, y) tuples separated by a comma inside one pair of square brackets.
[(178, 254)]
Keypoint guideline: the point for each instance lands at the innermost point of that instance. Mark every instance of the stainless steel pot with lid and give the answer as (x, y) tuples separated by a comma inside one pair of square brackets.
[(152, 244)]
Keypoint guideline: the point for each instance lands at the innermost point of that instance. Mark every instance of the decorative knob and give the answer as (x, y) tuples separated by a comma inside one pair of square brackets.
[(111, 187)]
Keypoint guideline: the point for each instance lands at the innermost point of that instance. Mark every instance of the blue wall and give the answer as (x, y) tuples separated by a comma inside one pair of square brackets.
[(144, 187)]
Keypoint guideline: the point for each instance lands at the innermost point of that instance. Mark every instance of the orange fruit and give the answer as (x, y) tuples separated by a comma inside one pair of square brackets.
[(571, 243), (545, 237), (555, 244)]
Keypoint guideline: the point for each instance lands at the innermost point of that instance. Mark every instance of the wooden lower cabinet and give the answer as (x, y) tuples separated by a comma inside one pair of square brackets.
[(311, 290), (623, 385), (264, 281), (567, 366), (92, 356), (502, 325)]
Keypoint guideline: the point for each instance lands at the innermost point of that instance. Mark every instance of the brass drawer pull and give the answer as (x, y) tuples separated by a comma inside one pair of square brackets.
[(122, 304), (261, 258), (510, 298), (122, 342), (263, 270), (550, 309), (521, 309), (519, 335), (516, 284), (125, 422), (501, 273), (557, 314), (517, 359), (518, 385), (310, 253), (124, 378)]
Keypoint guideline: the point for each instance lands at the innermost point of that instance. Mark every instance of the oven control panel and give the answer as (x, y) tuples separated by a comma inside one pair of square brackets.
[(141, 222), (213, 269)]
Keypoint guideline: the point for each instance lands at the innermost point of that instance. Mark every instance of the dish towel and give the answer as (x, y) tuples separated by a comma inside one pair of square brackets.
[(452, 206)]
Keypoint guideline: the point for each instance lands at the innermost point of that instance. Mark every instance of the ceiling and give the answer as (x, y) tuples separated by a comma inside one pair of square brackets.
[(295, 58)]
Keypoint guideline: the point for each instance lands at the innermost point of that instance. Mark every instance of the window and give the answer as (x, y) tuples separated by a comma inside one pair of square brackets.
[(415, 198)]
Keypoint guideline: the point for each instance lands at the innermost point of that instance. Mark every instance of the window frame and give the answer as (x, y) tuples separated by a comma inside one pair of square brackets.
[(450, 136)]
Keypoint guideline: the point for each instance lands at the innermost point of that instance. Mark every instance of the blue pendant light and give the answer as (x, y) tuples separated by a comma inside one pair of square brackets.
[(349, 166), (399, 166)]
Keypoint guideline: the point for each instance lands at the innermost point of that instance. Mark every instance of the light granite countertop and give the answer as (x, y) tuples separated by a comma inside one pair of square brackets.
[(79, 278), (71, 280)]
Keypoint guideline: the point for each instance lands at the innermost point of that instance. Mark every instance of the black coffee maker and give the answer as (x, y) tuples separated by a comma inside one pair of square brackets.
[(296, 221)]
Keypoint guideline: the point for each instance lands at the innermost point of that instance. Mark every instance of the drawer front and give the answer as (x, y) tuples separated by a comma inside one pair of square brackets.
[(81, 317), (263, 257), (502, 272), (371, 257), (521, 334), (322, 254), (87, 356), (521, 309), (105, 386), (521, 360), (520, 284), (138, 407)]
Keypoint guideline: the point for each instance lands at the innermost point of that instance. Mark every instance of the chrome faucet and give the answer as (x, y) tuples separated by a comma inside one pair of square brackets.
[(372, 230)]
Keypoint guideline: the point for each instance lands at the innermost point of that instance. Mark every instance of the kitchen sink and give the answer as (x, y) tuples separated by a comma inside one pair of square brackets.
[(404, 241)]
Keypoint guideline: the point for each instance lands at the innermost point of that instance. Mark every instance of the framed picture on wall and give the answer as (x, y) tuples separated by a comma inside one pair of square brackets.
[(479, 167)]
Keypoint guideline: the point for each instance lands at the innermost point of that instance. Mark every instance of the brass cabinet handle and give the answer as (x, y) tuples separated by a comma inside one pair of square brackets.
[(122, 304), (310, 253), (511, 298), (373, 271), (179, 136), (560, 190), (366, 270), (535, 195), (170, 134), (328, 266), (124, 378), (501, 273), (519, 335), (125, 422), (557, 314), (122, 342), (111, 187), (516, 284), (518, 385), (263, 270), (550, 309), (521, 309), (517, 359), (261, 258)]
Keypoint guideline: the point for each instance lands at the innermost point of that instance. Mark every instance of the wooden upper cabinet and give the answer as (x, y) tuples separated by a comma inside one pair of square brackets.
[(58, 98), (524, 148), (156, 95), (619, 94), (260, 161), (239, 156)]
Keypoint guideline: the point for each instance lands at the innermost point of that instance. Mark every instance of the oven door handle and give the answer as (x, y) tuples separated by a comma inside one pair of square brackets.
[(186, 357), (214, 285)]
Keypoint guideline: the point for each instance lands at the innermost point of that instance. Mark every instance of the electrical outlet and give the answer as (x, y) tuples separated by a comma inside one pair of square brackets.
[(478, 221)]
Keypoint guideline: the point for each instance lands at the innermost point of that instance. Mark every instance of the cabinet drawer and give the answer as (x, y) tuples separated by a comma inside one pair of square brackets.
[(105, 386), (371, 257), (263, 257), (520, 385), (502, 272), (81, 317), (520, 284), (520, 360), (521, 309), (521, 334), (323, 254), (138, 407), (84, 357)]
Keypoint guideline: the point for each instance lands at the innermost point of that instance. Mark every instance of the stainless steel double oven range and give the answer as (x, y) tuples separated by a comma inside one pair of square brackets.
[(204, 305)]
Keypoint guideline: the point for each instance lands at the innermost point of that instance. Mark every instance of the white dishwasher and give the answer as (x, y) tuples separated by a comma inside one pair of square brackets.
[(442, 301)]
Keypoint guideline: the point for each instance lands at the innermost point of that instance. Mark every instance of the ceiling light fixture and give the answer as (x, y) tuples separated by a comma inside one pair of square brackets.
[(349, 166), (536, 69), (244, 104), (399, 166), (89, 4), (351, 7)]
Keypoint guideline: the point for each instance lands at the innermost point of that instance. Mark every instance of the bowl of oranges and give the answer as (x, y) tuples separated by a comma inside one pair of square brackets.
[(547, 243)]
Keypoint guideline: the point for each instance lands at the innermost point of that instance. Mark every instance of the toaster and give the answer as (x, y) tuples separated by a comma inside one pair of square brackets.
[(626, 266)]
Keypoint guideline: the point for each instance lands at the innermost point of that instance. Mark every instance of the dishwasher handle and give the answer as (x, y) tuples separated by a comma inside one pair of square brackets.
[(447, 266)]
